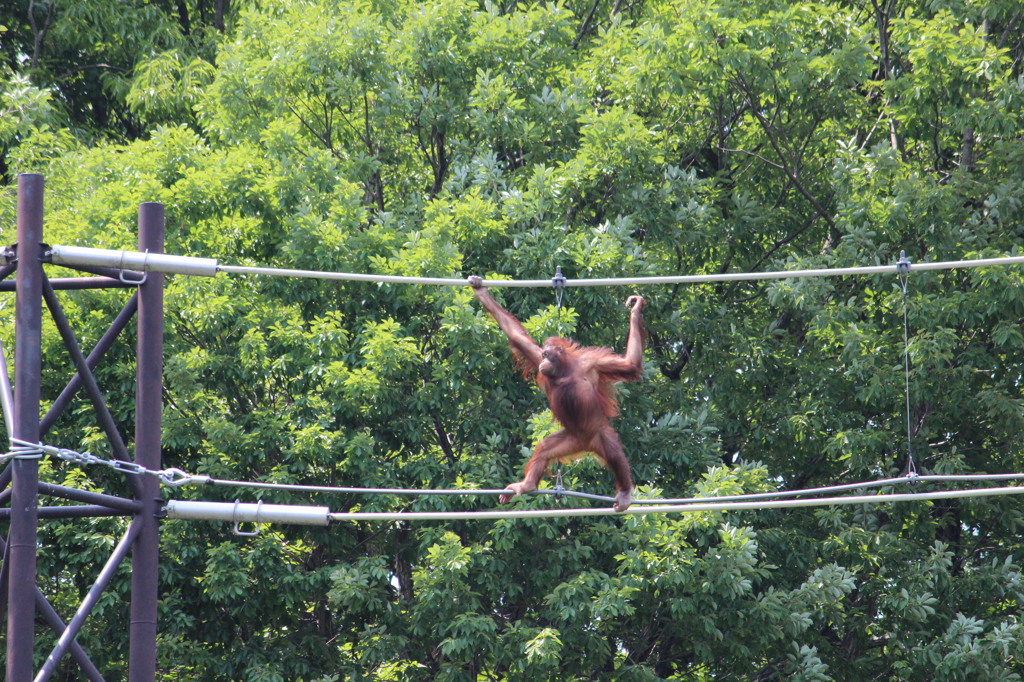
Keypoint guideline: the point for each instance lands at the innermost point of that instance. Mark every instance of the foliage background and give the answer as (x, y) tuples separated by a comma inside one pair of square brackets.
[(613, 138)]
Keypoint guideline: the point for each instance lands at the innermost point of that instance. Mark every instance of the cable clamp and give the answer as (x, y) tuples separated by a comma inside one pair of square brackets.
[(903, 265), (145, 272), (559, 488), (74, 456), (558, 282), (237, 529), (127, 467), (177, 478), (22, 450)]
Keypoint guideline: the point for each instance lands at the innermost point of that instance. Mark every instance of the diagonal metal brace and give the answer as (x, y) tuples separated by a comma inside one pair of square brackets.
[(103, 415), (90, 601), (58, 626)]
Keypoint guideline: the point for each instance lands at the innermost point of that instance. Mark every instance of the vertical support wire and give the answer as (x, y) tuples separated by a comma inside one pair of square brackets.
[(558, 282), (142, 652), (903, 274)]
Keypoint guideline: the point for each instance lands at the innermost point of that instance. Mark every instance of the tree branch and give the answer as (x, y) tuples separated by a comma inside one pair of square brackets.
[(585, 28), (39, 35), (77, 69), (776, 144)]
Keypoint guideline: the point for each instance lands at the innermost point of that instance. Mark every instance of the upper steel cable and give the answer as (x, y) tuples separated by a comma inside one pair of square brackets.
[(629, 281), (189, 265)]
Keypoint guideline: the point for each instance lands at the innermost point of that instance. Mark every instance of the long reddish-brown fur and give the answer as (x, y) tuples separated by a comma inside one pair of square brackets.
[(578, 383)]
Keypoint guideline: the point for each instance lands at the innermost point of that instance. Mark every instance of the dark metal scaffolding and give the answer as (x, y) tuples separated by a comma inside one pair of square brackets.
[(19, 481)]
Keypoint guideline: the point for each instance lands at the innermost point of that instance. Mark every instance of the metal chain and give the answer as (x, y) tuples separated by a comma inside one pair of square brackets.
[(21, 449)]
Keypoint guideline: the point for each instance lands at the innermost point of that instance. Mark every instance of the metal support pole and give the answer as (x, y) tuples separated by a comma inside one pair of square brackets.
[(27, 372), (79, 256), (148, 409), (249, 512)]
